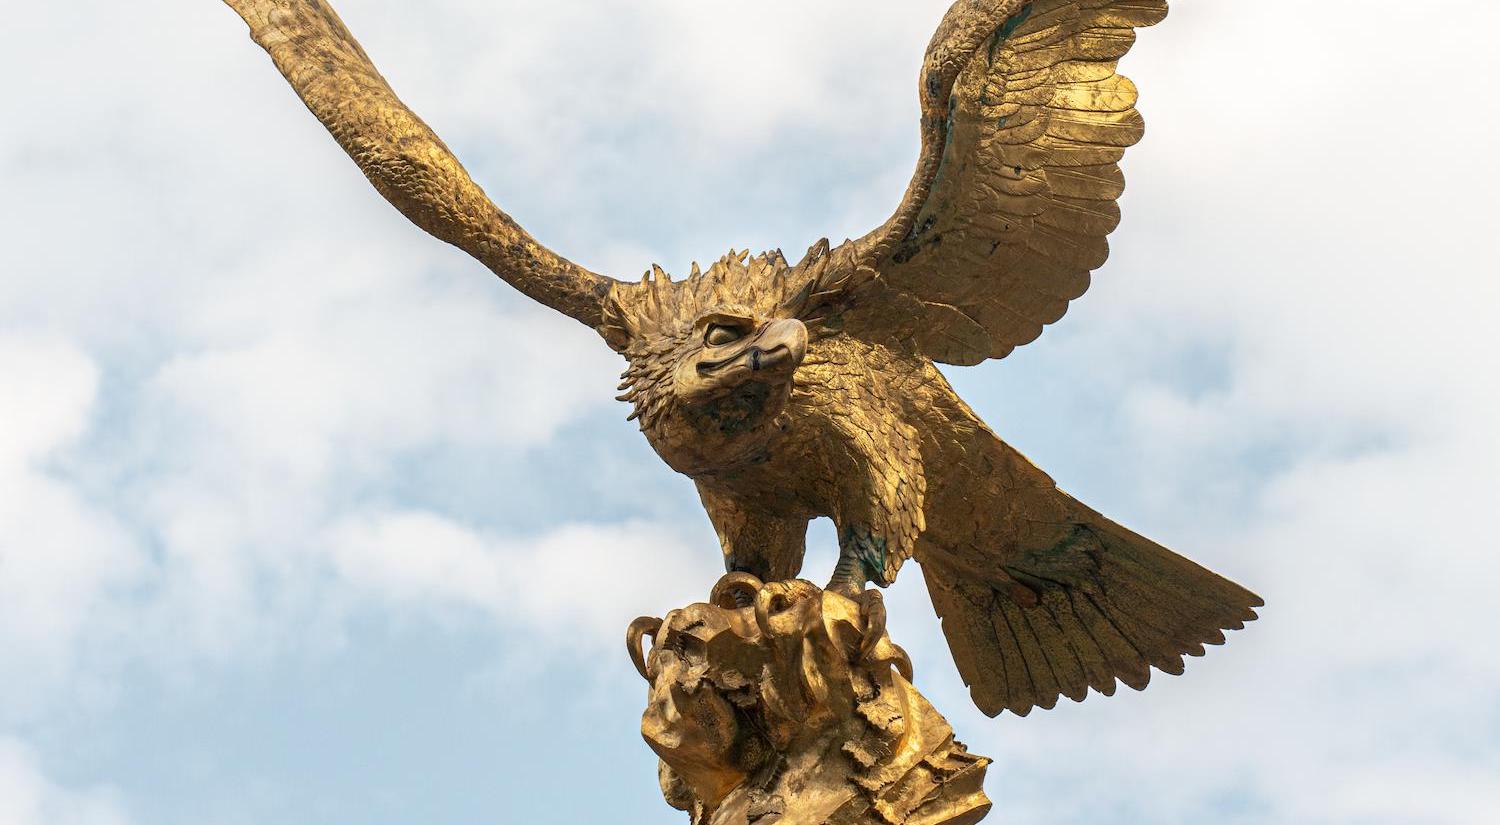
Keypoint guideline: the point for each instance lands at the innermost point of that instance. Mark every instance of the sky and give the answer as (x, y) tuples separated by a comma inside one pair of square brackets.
[(306, 518)]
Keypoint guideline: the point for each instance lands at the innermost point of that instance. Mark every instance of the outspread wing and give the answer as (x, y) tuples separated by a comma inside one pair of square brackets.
[(1024, 120), (406, 162), (1043, 597)]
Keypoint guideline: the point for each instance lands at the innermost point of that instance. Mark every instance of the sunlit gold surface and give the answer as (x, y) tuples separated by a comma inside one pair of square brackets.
[(406, 162), (789, 392), (783, 702)]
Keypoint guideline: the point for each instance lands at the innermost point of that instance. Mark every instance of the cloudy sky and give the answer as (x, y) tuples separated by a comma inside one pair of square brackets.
[(305, 518)]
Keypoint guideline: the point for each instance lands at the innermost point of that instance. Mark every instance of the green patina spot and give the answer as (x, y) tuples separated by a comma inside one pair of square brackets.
[(1007, 29), (1015, 22), (869, 549), (1070, 559)]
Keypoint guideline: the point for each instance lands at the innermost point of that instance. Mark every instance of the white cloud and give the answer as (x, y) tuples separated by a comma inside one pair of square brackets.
[(572, 585), (29, 797), (62, 560), (50, 389)]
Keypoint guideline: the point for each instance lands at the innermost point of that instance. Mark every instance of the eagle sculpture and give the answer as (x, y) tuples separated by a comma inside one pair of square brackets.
[(793, 391)]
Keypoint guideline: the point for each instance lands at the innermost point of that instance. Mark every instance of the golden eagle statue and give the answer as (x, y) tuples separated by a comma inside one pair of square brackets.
[(789, 392)]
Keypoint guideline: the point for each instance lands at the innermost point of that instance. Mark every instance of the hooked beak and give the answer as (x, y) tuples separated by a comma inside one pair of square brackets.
[(780, 344)]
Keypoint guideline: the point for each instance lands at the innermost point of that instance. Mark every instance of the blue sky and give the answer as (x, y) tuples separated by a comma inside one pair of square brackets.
[(306, 518)]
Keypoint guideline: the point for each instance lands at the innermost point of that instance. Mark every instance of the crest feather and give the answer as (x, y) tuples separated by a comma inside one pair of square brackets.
[(639, 315)]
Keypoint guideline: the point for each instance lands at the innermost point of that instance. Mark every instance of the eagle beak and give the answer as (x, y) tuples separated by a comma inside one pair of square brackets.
[(771, 354), (780, 343)]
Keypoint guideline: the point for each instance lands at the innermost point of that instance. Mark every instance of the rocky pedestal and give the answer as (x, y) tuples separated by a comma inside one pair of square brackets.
[(785, 704)]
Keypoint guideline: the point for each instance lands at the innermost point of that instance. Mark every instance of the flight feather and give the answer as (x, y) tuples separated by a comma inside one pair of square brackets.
[(1024, 122)]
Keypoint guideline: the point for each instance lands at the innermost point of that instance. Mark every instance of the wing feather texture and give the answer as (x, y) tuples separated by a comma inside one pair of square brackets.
[(1024, 122), (1041, 596), (404, 160)]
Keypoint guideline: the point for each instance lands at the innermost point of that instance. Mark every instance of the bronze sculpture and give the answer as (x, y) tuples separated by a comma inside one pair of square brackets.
[(789, 392)]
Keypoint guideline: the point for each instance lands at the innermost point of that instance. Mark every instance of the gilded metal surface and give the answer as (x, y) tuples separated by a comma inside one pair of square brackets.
[(797, 708), (405, 161), (789, 392)]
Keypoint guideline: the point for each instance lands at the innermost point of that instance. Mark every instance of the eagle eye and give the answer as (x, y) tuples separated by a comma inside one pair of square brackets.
[(718, 335)]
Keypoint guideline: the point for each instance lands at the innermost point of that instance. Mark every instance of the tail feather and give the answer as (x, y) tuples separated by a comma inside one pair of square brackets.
[(1092, 604)]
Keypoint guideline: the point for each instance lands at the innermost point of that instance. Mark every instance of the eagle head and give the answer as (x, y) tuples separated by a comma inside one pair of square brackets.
[(714, 357)]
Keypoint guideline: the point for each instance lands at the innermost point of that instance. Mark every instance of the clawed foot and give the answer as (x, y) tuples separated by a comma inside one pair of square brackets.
[(735, 591)]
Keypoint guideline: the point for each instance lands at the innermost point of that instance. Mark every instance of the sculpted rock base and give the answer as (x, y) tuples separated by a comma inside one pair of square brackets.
[(784, 703)]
